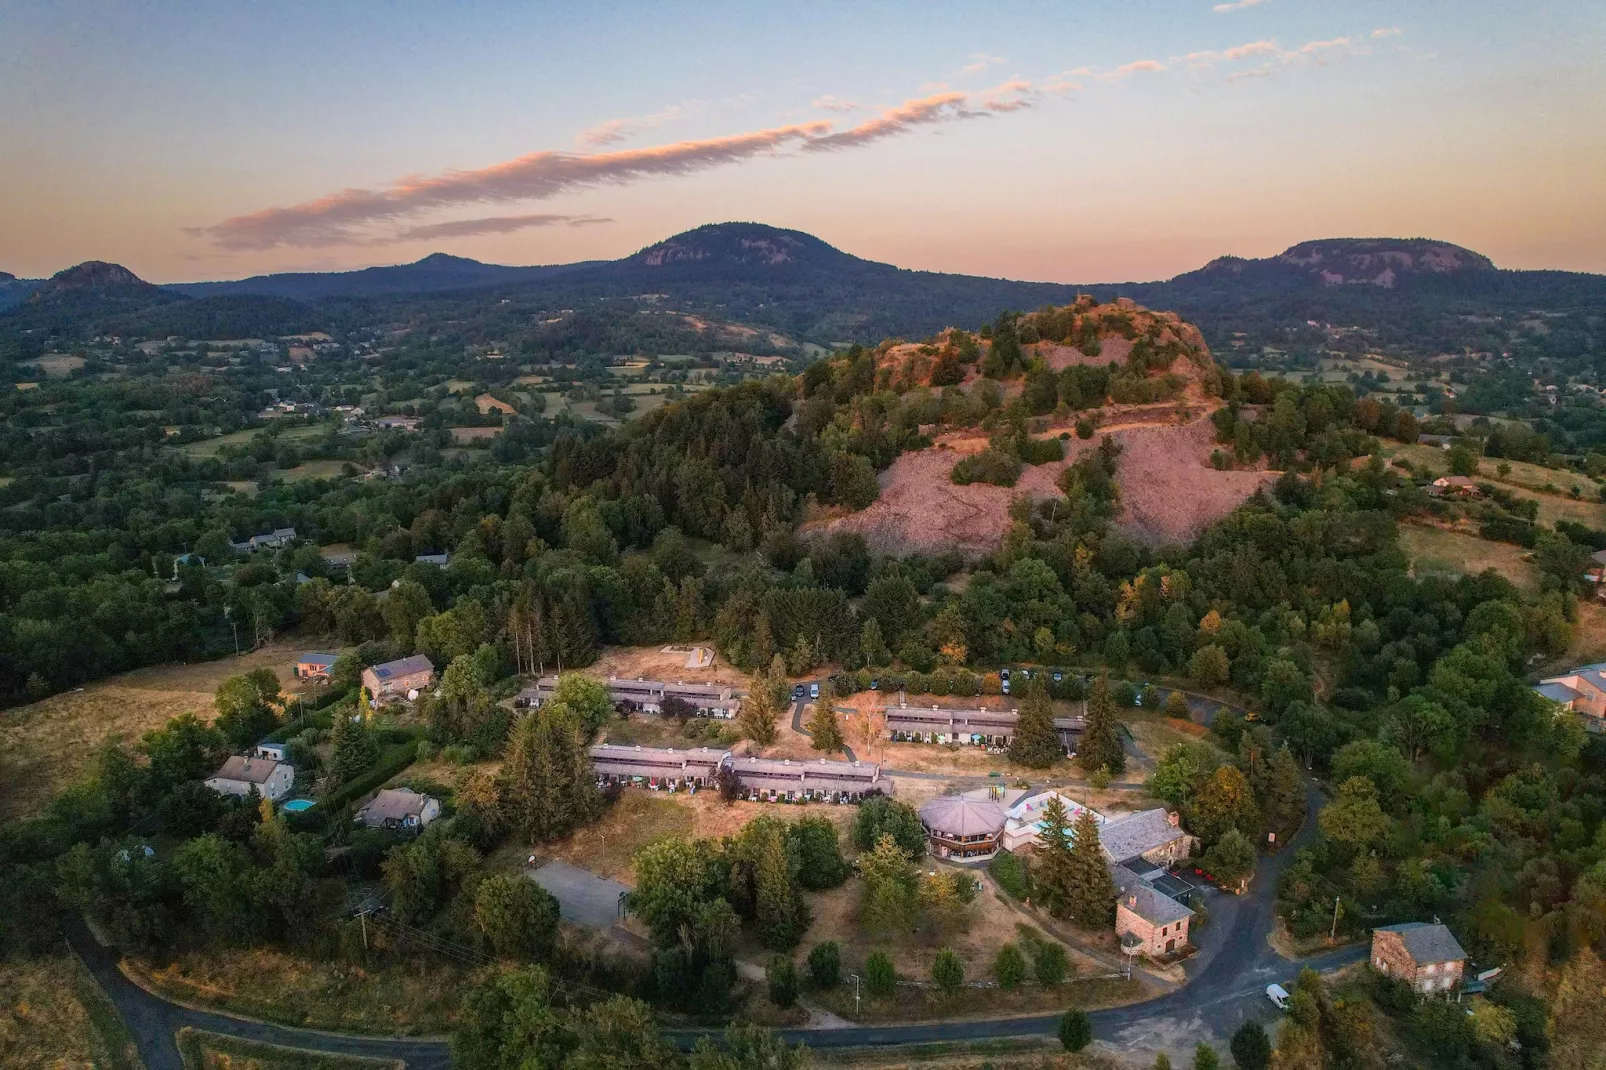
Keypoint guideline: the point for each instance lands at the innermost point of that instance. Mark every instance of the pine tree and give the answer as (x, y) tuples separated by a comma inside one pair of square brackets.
[(778, 901), (756, 719), (1052, 866), (354, 747), (551, 786), (1090, 897), (1036, 743), (872, 645), (1100, 747), (824, 728), (1284, 794)]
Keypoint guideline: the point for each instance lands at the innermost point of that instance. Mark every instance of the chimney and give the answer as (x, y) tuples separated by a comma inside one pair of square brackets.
[(1132, 902), (1173, 818)]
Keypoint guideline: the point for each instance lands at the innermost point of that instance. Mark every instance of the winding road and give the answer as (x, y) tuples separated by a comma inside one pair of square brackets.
[(1226, 984)]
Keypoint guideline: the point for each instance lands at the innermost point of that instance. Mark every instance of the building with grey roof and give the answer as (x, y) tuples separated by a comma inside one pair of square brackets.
[(1152, 836), (1148, 921), (1424, 955)]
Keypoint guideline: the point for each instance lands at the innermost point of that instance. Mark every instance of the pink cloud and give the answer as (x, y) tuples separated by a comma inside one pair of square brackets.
[(1237, 5), (506, 224)]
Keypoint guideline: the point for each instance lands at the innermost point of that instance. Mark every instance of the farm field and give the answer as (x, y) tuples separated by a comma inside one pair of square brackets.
[(210, 447), (52, 1015), (1436, 549), (465, 435), (49, 744), (59, 365), (330, 469)]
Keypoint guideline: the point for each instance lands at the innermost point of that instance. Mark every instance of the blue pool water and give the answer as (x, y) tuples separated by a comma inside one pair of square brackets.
[(295, 806)]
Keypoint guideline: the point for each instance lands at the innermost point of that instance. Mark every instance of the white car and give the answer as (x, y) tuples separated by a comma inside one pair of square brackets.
[(1278, 995)]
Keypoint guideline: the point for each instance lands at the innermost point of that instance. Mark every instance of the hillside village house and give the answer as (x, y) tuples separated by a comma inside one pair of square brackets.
[(399, 808), (1425, 956), (314, 666), (1455, 487), (240, 774), (1146, 840), (655, 767), (1581, 691), (401, 679), (1596, 572), (273, 540)]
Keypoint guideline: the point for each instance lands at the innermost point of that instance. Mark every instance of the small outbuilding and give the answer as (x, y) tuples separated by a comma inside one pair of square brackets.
[(315, 665), (963, 827)]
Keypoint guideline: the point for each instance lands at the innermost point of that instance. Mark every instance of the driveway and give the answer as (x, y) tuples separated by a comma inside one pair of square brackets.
[(583, 897)]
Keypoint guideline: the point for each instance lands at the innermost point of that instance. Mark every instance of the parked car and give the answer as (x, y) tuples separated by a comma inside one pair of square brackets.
[(797, 692), (814, 691), (1278, 995), (875, 685)]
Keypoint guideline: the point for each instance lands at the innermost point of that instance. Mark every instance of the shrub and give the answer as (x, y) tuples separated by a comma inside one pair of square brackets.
[(781, 976), (989, 466), (1009, 967), (1042, 450), (947, 972), (1251, 1048), (1049, 965), (1010, 871), (879, 976), (1076, 1031), (825, 965), (1084, 427)]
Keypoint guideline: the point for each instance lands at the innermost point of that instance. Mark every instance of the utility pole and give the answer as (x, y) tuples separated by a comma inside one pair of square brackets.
[(1333, 935), (364, 916), (855, 994)]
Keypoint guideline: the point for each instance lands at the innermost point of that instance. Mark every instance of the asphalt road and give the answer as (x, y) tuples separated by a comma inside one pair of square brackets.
[(1226, 984)]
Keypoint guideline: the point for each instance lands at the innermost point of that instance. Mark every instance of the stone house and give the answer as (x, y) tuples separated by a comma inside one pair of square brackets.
[(399, 808), (1152, 836), (1148, 921), (1425, 956)]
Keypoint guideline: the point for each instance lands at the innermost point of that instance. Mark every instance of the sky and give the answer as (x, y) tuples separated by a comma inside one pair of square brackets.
[(1066, 141)]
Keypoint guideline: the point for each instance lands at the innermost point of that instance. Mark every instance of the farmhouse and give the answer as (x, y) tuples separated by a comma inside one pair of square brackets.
[(655, 767), (399, 808), (239, 775), (920, 724), (1455, 487), (1148, 921), (1426, 957), (272, 540), (398, 679), (397, 423), (314, 666), (648, 696), (960, 826)]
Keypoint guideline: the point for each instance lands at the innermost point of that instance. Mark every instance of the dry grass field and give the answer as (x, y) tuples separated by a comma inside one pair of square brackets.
[(413, 997), (465, 435), (314, 470), (52, 1015), (49, 744), (1433, 548), (59, 365)]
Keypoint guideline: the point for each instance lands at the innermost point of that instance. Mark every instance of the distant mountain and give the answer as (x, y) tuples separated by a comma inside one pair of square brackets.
[(97, 279), (437, 272), (14, 290), (1384, 262)]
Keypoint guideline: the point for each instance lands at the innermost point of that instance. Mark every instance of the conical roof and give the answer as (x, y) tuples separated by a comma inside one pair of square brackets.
[(956, 815)]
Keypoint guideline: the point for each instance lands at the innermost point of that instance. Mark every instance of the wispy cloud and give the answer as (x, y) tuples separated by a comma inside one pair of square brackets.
[(333, 219), (980, 62), (1237, 5), (615, 130), (834, 103), (1387, 31), (502, 224), (950, 106)]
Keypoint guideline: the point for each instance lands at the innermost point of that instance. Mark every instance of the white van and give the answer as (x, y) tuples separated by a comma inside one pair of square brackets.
[(1278, 995)]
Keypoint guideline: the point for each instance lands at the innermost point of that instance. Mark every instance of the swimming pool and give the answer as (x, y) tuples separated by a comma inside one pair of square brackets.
[(296, 806)]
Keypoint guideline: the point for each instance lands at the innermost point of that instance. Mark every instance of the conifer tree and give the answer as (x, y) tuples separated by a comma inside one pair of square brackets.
[(1036, 743), (872, 645), (1100, 747), (354, 746), (761, 707), (1051, 866), (824, 728), (551, 789), (1090, 896), (778, 904)]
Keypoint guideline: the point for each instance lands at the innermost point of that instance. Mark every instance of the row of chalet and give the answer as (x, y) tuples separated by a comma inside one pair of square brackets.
[(649, 696), (773, 778), (989, 728)]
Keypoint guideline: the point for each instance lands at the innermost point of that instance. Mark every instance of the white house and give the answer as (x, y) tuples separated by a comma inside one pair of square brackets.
[(1026, 818), (273, 780)]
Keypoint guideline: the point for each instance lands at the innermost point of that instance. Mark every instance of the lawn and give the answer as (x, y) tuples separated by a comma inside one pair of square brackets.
[(1437, 549), (639, 818), (52, 1014), (408, 997), (49, 744), (315, 470), (212, 1051)]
